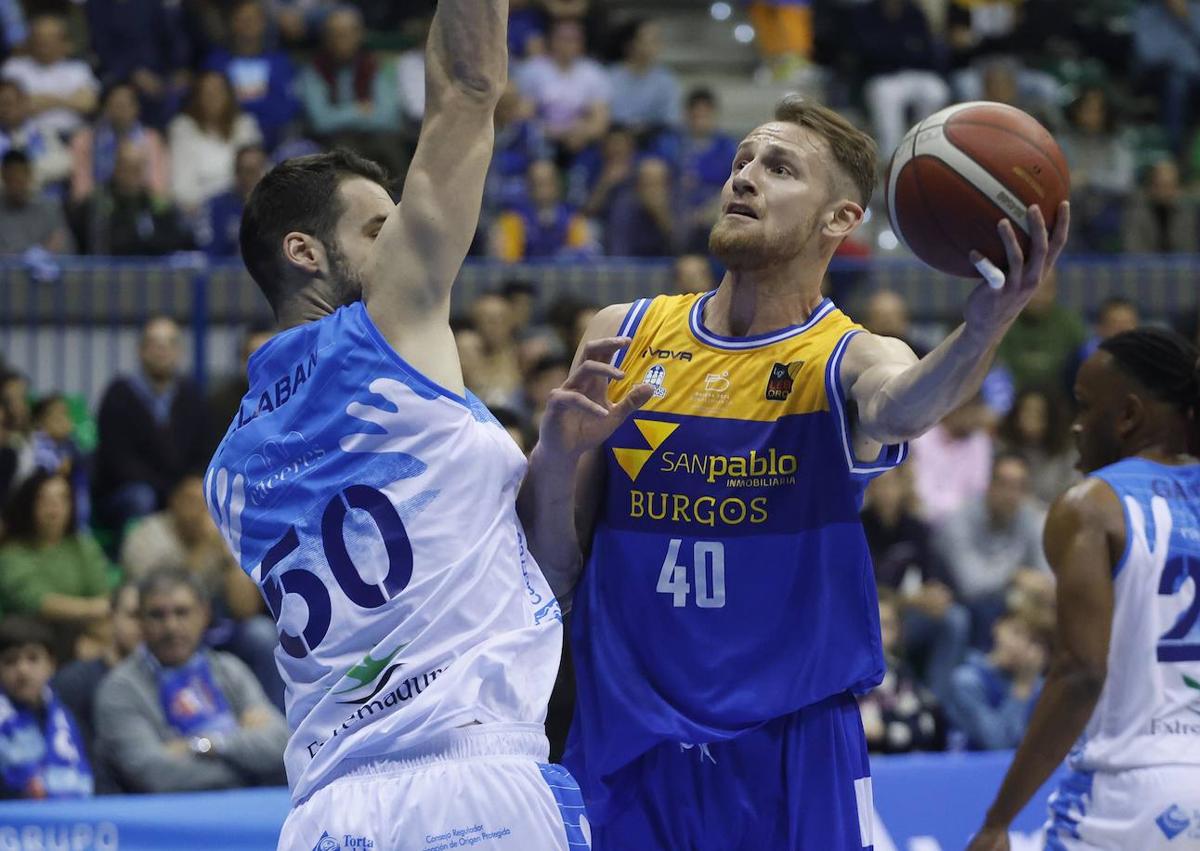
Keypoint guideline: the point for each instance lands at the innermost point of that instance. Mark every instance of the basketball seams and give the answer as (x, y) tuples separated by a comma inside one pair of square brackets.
[(899, 162), (959, 161), (1066, 180), (931, 215)]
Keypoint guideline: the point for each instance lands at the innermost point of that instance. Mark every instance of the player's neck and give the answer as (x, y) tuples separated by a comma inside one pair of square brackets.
[(756, 302), (309, 305)]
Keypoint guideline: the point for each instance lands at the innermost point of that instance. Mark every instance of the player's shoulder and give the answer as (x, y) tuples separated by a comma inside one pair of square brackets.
[(1091, 504), (624, 319)]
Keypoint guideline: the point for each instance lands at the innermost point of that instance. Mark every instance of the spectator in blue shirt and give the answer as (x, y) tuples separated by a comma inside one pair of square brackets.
[(641, 219), (519, 144), (262, 78), (349, 96), (991, 695), (13, 28), (217, 231), (706, 159), (150, 43), (645, 95)]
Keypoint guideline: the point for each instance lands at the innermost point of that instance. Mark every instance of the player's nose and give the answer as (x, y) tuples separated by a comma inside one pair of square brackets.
[(743, 185)]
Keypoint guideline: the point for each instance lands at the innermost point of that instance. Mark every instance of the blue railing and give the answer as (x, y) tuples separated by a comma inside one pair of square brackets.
[(72, 323)]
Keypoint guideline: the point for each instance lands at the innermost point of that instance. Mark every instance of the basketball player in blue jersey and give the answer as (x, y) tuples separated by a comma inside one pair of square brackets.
[(1122, 699), (726, 614), (373, 498)]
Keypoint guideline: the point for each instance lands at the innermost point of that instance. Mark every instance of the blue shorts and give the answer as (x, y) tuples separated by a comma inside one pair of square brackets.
[(797, 783)]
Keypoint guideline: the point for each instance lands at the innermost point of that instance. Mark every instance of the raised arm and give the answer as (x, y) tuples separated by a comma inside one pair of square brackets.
[(422, 245), (899, 397)]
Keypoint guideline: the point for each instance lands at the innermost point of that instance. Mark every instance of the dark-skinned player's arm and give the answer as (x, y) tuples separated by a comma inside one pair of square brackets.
[(558, 499), (1084, 540), (898, 397), (422, 245)]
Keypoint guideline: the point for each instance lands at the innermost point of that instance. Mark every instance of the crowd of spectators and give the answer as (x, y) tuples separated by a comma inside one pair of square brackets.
[(135, 655)]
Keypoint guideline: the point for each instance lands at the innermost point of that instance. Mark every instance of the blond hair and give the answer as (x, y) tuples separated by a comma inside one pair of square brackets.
[(854, 151)]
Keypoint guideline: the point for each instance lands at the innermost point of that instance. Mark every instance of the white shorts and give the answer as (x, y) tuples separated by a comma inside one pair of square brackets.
[(479, 788), (1144, 809)]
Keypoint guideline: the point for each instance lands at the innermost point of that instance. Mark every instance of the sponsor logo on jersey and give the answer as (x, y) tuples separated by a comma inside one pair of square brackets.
[(781, 380), (327, 843), (757, 469), (1173, 821), (655, 376), (702, 510), (655, 434), (368, 671), (716, 391), (666, 354), (1192, 684)]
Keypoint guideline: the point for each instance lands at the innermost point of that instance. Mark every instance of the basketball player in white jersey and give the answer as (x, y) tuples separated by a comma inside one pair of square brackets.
[(1122, 699), (372, 498)]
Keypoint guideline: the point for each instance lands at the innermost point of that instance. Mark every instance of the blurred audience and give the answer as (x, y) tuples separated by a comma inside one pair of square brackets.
[(497, 370), (952, 462), (49, 156), (27, 218), (1166, 44), (62, 90), (220, 222), (987, 541), (544, 226), (42, 752), (227, 393), (706, 161), (693, 273), (646, 96), (177, 717), (1037, 429), (152, 430), (94, 148), (641, 219), (1161, 217), (1101, 157), (1041, 342), (1115, 314), (55, 450)]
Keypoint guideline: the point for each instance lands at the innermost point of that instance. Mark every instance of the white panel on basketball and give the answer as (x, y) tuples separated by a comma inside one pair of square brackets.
[(900, 159), (932, 142)]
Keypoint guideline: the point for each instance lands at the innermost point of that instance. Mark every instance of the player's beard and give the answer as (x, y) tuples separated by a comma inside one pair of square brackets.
[(346, 284), (742, 248)]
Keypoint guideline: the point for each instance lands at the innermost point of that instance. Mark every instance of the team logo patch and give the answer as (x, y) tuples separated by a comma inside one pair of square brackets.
[(655, 376), (783, 378), (1173, 821), (327, 843)]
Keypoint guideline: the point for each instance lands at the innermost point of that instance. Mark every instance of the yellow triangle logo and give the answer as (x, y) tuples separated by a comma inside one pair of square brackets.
[(632, 460), (655, 432)]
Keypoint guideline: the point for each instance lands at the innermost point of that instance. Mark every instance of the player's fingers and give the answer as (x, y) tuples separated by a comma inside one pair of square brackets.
[(1062, 230), (632, 400), (1039, 242), (569, 399), (604, 348), (584, 375), (1012, 250), (988, 270)]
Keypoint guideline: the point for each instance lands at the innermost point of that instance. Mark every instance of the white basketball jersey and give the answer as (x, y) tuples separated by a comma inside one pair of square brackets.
[(377, 513), (1149, 709)]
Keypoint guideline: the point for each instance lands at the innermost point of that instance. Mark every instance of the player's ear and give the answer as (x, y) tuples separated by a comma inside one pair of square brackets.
[(843, 218), (304, 253), (1133, 411)]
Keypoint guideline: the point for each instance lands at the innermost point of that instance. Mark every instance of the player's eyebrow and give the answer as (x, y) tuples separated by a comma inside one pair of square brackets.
[(374, 223)]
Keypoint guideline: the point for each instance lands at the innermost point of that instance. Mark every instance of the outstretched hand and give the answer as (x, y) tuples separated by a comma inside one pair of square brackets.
[(992, 306), (579, 416)]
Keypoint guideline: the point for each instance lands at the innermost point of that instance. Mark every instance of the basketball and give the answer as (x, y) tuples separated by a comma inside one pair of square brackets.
[(959, 172)]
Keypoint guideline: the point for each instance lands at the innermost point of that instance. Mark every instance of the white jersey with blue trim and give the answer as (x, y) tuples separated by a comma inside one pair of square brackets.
[(1149, 710), (377, 512)]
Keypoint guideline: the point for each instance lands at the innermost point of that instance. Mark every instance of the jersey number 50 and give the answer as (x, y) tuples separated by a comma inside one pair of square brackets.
[(302, 581)]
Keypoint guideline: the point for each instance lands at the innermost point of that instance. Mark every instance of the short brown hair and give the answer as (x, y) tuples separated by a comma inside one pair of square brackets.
[(854, 150)]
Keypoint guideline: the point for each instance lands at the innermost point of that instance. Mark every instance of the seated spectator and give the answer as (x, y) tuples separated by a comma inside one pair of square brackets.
[(221, 221), (204, 139), (641, 222), (784, 30), (978, 29), (1101, 158), (300, 20), (546, 375), (519, 144), (646, 96), (55, 450), (1166, 42), (28, 219), (693, 273), (936, 628), (349, 95), (63, 91), (227, 393), (545, 226), (410, 78), (13, 30), (599, 175), (497, 370), (706, 161), (571, 93), (50, 158), (886, 313), (988, 540), (151, 430), (14, 394), (1115, 314), (42, 753), (1004, 79), (48, 567), (900, 60), (1042, 340), (1161, 218), (952, 462), (992, 695), (262, 78), (184, 535), (526, 29), (16, 435), (1038, 429), (94, 149), (176, 717), (124, 217), (76, 682), (149, 44), (899, 715)]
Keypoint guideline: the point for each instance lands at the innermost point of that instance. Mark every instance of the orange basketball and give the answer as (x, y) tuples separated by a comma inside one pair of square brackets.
[(961, 171)]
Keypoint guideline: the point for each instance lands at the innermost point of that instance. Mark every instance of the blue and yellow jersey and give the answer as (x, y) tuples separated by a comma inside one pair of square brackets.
[(729, 580)]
